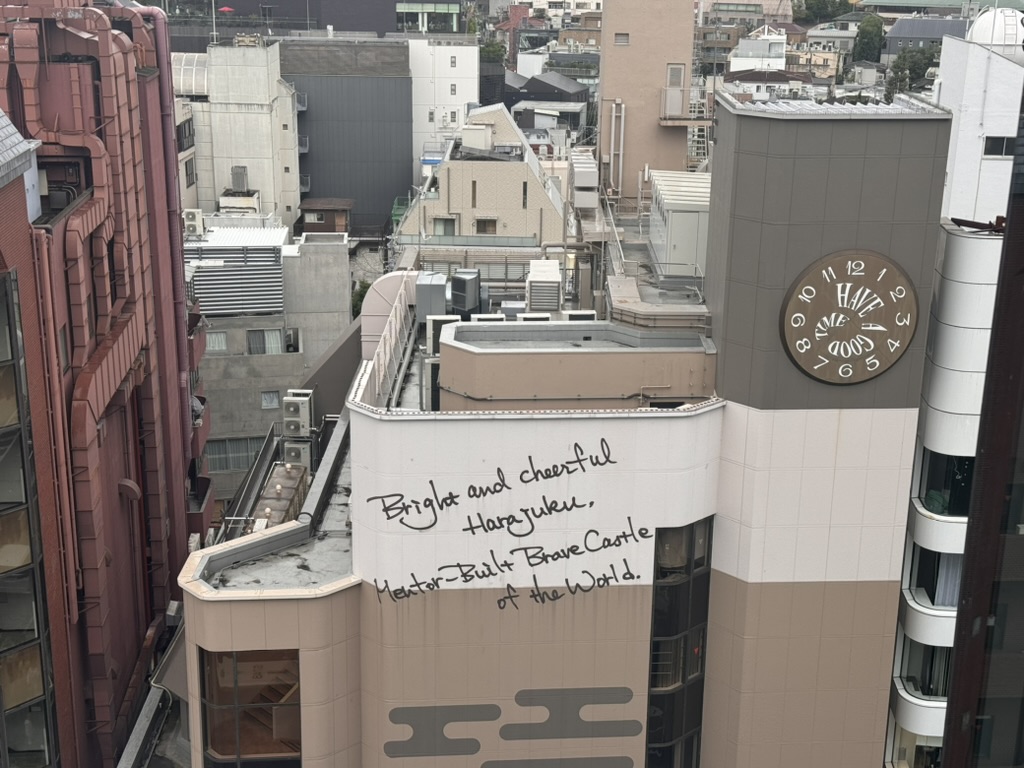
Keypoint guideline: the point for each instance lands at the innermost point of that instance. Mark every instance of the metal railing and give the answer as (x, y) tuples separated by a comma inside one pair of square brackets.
[(303, 143), (301, 101), (388, 358), (304, 182), (252, 485)]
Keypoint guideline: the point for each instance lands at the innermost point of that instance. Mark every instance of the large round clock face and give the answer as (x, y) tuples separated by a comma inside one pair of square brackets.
[(849, 317)]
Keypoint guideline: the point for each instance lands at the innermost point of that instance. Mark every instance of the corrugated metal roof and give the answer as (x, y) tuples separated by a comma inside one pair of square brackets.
[(15, 152), (931, 29), (902, 106)]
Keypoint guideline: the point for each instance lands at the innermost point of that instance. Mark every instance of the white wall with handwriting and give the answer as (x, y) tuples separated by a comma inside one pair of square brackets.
[(526, 503)]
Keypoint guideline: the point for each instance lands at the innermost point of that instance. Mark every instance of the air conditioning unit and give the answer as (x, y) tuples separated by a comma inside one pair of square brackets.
[(534, 317), (298, 413), (430, 388), (193, 218), (434, 325), (298, 452), (498, 318), (466, 290)]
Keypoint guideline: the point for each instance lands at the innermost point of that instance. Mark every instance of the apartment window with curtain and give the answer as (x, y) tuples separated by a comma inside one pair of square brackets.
[(270, 399), (233, 454), (251, 706), (216, 341), (264, 341)]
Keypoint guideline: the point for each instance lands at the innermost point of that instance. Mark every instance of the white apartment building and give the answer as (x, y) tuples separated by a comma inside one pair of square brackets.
[(980, 83), (243, 114), (559, 12), (445, 79)]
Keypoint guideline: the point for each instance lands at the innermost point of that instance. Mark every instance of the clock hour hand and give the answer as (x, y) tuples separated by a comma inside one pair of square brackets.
[(872, 327)]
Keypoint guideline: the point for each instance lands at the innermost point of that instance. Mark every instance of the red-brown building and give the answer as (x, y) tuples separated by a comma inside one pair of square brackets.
[(97, 356)]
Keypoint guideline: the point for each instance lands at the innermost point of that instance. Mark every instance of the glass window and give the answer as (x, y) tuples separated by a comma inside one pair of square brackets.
[(695, 654), (8, 396), (487, 226), (946, 483), (999, 146), (190, 172), (266, 341), (15, 544), (26, 737), (251, 705), (21, 677), (453, 89), (233, 454), (622, 38), (270, 399), (17, 610), (216, 341), (12, 470), (937, 574), (454, 62), (925, 669), (430, 115), (668, 660)]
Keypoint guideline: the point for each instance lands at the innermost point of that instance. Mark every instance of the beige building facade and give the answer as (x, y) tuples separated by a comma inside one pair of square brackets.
[(646, 62)]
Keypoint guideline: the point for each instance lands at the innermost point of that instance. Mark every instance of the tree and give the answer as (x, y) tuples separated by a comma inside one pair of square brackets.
[(492, 51), (817, 11), (358, 294), (918, 60), (908, 67), (868, 44), (899, 79)]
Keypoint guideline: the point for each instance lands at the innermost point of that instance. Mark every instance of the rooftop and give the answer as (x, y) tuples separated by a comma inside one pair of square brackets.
[(766, 76), (239, 237), (903, 107), (928, 26)]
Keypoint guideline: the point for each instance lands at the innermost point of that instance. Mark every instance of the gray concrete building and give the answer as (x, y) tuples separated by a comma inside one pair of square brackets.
[(273, 308)]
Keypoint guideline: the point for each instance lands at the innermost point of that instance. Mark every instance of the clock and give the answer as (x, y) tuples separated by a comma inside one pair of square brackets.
[(849, 317)]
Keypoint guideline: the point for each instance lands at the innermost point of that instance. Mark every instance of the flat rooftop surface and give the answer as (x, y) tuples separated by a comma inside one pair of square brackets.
[(903, 106), (566, 336), (317, 561), (239, 237)]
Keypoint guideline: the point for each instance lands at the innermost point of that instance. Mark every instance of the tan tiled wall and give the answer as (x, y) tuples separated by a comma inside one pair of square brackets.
[(455, 647), (325, 630), (798, 674)]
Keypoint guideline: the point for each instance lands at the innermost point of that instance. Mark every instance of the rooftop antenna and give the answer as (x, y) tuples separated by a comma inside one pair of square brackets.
[(213, 15)]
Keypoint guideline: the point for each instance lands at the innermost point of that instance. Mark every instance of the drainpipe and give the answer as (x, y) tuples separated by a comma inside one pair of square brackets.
[(163, 57)]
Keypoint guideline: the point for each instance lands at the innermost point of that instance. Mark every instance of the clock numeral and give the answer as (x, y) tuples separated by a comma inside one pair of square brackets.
[(824, 361), (899, 293), (894, 344), (904, 321), (872, 363), (846, 370), (879, 279), (797, 320), (807, 293), (802, 345), (828, 274), (855, 267)]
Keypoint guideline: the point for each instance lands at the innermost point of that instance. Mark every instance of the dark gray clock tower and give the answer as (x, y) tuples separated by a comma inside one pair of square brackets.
[(821, 254)]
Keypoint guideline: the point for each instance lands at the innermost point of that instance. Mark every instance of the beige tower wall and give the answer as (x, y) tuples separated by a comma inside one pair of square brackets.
[(808, 555), (660, 33)]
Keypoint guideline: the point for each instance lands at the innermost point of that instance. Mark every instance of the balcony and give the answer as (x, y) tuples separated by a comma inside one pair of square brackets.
[(200, 427), (301, 101), (677, 111), (303, 144), (914, 711), (200, 506), (304, 182), (924, 622)]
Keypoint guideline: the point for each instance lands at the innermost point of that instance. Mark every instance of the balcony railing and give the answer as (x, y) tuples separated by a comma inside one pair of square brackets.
[(303, 144), (201, 425), (301, 101), (304, 182)]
